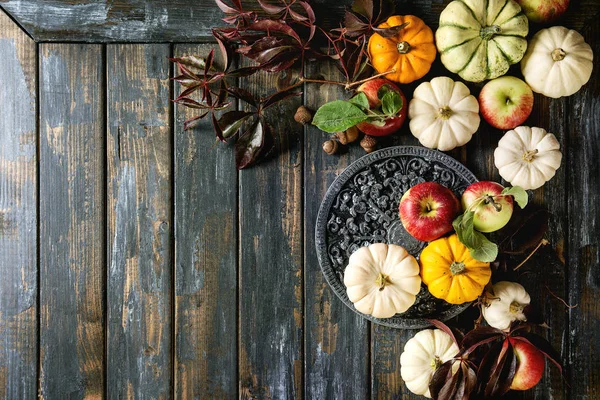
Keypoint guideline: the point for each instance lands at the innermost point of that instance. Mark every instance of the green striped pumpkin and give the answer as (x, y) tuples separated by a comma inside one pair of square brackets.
[(480, 39)]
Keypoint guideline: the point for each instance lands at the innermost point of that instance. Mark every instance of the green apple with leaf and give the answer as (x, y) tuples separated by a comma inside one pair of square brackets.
[(492, 209), (488, 207)]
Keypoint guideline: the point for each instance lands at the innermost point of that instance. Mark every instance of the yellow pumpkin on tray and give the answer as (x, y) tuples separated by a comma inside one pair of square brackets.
[(450, 273), (410, 52)]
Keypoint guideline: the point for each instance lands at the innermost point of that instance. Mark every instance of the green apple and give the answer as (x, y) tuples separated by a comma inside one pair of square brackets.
[(493, 210)]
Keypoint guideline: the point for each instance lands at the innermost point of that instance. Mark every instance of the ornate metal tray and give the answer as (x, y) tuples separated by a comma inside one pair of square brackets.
[(361, 208)]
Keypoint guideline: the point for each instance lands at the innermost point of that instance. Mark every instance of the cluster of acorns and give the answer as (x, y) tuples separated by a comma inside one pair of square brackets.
[(339, 139)]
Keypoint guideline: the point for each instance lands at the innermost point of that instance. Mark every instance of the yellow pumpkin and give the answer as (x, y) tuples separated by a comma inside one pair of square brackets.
[(450, 273), (410, 52)]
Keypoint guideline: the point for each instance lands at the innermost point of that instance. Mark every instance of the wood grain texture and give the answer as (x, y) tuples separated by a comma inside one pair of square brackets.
[(72, 228), (185, 21), (583, 256), (206, 259), (139, 342), (18, 213), (336, 339), (271, 262), (127, 20)]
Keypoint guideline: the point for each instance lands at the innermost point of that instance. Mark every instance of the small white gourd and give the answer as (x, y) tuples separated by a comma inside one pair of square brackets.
[(443, 114), (423, 354), (505, 304), (558, 62), (382, 280), (527, 157)]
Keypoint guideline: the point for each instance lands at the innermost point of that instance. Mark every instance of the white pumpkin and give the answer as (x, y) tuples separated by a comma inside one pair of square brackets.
[(443, 114), (505, 304), (558, 62), (382, 280), (480, 40), (423, 354), (527, 157)]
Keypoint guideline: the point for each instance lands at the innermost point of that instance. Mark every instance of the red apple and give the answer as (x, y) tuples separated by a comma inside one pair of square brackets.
[(530, 364), (543, 10), (391, 125), (427, 211), (493, 211), (506, 102)]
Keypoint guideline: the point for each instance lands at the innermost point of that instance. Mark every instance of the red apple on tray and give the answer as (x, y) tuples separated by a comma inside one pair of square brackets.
[(506, 102), (427, 211), (372, 89), (492, 210), (530, 364), (543, 10)]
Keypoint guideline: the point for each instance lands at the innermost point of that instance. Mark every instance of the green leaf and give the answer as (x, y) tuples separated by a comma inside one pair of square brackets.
[(479, 246), (361, 101), (338, 116), (486, 252), (519, 194), (391, 103)]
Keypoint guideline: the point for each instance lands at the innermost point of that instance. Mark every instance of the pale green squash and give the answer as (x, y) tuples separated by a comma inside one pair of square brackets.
[(481, 39)]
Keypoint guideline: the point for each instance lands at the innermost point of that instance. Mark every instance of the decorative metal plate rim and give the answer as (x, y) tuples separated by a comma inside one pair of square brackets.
[(320, 227)]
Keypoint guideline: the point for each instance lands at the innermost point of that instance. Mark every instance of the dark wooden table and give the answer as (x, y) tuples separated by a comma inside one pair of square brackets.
[(136, 262)]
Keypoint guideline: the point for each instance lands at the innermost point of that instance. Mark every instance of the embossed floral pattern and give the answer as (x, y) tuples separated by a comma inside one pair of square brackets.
[(362, 208)]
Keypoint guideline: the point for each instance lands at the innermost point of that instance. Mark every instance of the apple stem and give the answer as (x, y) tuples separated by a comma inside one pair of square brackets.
[(558, 54), (542, 242), (490, 200), (382, 280)]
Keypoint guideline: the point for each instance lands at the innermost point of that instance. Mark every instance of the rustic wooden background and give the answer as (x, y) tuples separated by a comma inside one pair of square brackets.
[(136, 262)]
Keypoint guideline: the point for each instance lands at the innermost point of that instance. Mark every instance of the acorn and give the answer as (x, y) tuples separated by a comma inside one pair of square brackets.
[(369, 143), (331, 147), (349, 136), (303, 115)]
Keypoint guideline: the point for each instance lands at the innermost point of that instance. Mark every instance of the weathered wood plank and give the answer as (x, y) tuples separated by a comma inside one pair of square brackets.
[(18, 213), (271, 264), (337, 339), (206, 259), (387, 344), (185, 21), (139, 341), (72, 228), (583, 256)]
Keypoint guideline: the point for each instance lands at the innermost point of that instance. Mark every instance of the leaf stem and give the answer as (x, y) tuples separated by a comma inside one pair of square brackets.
[(542, 242), (351, 84)]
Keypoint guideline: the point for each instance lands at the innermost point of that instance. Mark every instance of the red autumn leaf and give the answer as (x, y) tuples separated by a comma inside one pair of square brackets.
[(256, 141), (269, 25)]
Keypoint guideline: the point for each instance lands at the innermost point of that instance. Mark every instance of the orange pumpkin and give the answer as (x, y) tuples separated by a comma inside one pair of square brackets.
[(410, 52)]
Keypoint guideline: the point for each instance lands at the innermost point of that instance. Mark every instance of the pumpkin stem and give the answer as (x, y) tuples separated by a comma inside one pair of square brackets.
[(382, 281), (445, 112), (529, 155), (558, 54), (403, 47), (516, 308), (488, 32), (436, 363), (457, 268)]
